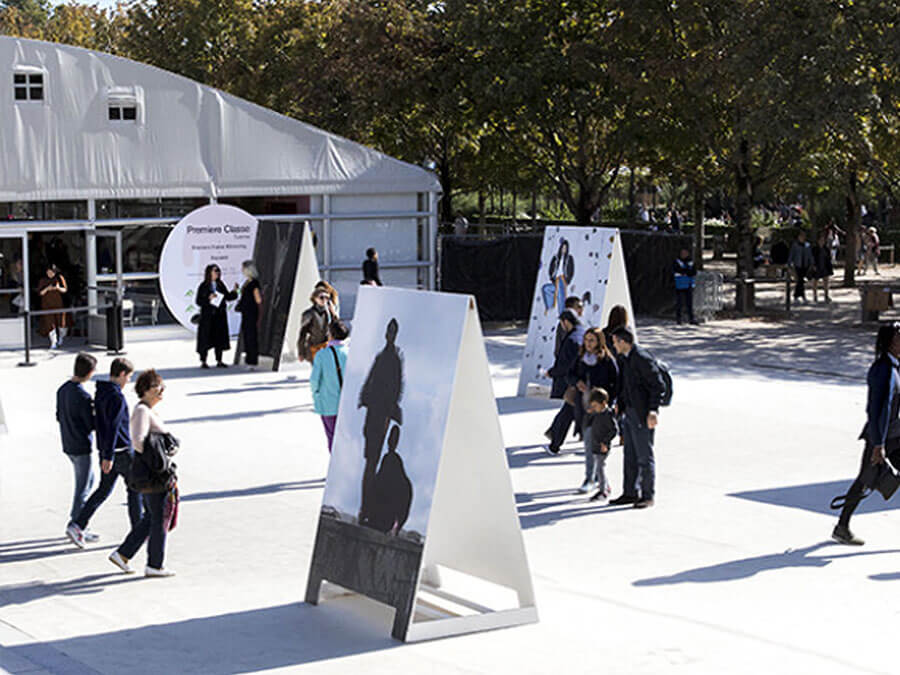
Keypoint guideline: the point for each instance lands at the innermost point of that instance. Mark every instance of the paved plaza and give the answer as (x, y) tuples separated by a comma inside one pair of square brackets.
[(731, 572)]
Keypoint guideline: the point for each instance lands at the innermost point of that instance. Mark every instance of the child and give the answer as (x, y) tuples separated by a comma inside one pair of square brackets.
[(602, 429), (327, 378), (393, 490), (75, 414)]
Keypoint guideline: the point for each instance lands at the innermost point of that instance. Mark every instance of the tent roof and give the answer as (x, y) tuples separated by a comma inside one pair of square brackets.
[(189, 139)]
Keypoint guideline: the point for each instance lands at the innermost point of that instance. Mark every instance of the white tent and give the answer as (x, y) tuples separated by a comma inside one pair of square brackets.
[(109, 135), (186, 139)]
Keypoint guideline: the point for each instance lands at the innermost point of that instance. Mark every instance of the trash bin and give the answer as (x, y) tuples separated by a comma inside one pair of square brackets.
[(115, 330), (746, 296)]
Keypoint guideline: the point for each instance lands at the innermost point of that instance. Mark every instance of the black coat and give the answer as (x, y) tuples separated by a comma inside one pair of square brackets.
[(642, 384), (212, 333), (605, 374), (563, 370)]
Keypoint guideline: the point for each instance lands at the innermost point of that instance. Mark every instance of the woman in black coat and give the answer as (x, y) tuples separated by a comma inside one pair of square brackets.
[(212, 333), (249, 308)]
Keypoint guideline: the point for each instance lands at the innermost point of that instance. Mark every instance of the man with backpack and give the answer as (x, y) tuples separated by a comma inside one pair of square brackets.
[(643, 392)]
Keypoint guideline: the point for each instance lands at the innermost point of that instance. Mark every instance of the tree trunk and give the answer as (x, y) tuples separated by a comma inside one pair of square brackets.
[(699, 228), (632, 212), (514, 207), (743, 203), (533, 206), (481, 207), (446, 198), (502, 211), (854, 222)]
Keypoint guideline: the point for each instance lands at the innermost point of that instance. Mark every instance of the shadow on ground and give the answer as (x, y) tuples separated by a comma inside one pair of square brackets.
[(240, 642), (815, 497), (748, 567), (274, 488)]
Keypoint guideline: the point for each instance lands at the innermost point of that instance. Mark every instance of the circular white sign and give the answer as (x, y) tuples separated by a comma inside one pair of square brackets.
[(218, 233)]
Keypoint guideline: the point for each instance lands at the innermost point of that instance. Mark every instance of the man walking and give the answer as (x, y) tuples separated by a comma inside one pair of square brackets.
[(640, 398), (114, 444), (75, 414), (801, 260)]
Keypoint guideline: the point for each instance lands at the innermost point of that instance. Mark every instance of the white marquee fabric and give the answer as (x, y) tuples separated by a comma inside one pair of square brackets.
[(189, 139)]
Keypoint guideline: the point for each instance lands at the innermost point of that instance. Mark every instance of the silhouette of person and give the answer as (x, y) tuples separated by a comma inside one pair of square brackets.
[(380, 394), (393, 490)]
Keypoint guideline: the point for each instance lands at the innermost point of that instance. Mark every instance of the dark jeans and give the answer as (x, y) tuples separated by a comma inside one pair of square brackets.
[(684, 298), (800, 287), (866, 475), (560, 426), (150, 526), (640, 466), (205, 352), (250, 341), (121, 466)]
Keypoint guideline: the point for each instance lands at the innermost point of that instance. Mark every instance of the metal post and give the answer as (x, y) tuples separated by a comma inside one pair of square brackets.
[(90, 240), (27, 362), (26, 292), (326, 236), (432, 237)]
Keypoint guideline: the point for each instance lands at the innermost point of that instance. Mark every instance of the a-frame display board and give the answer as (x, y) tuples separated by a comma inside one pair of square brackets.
[(3, 428), (418, 510), (586, 262)]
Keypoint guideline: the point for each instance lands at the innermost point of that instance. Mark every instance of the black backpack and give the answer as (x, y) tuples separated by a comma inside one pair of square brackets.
[(666, 378)]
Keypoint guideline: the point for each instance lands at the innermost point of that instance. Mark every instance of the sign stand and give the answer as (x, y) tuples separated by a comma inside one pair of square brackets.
[(472, 573), (596, 274), (3, 428)]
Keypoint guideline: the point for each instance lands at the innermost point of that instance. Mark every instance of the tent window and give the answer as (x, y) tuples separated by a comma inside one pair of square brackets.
[(123, 112), (28, 86)]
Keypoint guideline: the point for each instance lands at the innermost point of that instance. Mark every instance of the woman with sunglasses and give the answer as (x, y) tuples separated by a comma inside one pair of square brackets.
[(315, 322), (212, 332), (153, 525)]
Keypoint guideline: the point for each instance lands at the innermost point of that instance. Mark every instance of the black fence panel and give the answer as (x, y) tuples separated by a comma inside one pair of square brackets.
[(501, 272)]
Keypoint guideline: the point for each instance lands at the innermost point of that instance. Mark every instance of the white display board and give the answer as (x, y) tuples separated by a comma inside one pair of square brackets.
[(217, 233), (406, 517), (3, 428), (587, 262), (307, 278)]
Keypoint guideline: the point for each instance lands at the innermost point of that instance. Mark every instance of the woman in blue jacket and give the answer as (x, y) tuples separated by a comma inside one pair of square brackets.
[(882, 411), (327, 377)]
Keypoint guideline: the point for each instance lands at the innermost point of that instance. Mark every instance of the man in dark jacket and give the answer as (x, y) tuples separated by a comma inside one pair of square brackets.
[(640, 398), (113, 442), (75, 414), (563, 374), (684, 272)]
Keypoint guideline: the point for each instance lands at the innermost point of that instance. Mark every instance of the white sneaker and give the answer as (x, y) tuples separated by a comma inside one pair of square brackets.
[(120, 562), (90, 537), (586, 487), (162, 572), (75, 535)]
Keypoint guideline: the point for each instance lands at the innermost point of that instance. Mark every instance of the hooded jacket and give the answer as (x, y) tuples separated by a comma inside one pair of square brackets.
[(112, 419)]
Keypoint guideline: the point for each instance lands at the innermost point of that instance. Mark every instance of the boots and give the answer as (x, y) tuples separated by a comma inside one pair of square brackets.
[(63, 331), (53, 339)]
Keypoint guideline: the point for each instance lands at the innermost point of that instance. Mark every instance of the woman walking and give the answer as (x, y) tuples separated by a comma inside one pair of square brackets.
[(51, 289), (212, 333), (327, 378), (153, 475), (881, 433), (315, 321), (371, 277), (249, 306), (595, 368)]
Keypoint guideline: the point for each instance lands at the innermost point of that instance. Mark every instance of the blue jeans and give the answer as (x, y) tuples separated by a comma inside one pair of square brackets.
[(121, 467), (84, 481), (150, 527), (640, 466), (594, 462), (554, 294)]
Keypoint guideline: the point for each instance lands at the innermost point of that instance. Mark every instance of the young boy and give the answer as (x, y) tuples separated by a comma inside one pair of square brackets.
[(75, 414), (602, 429), (114, 444)]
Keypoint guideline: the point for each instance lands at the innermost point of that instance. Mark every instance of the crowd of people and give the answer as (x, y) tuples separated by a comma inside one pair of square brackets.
[(610, 386)]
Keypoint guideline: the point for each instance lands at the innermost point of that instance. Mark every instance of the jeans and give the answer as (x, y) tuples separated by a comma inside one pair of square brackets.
[(800, 287), (594, 462), (329, 422), (560, 426), (640, 466), (554, 294), (684, 298), (867, 474), (150, 526), (84, 481), (121, 467)]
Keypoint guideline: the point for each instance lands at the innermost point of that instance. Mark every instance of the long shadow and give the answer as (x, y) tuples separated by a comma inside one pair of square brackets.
[(249, 388), (887, 576), (19, 555), (314, 484), (240, 642), (242, 415), (815, 497), (537, 515), (195, 373), (32, 543), (20, 594), (508, 405), (749, 567), (522, 455)]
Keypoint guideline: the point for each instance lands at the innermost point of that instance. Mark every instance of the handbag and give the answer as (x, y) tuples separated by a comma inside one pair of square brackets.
[(571, 393)]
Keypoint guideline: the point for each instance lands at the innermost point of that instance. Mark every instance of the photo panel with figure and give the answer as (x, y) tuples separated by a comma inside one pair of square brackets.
[(387, 446), (583, 262)]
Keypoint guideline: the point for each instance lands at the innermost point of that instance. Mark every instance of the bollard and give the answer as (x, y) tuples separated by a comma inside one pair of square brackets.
[(27, 362)]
